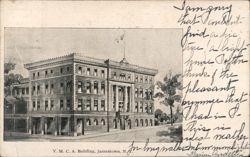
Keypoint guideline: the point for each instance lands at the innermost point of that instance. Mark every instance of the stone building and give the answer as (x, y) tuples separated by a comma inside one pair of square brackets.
[(74, 95)]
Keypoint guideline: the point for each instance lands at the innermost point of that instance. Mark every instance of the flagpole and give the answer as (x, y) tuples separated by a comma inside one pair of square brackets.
[(124, 44)]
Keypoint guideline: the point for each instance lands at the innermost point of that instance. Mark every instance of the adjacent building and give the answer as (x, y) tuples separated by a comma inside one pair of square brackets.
[(75, 95)]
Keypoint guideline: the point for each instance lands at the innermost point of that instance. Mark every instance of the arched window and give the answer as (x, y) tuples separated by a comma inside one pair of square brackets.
[(88, 122), (95, 122), (103, 122), (136, 122), (141, 122), (146, 122)]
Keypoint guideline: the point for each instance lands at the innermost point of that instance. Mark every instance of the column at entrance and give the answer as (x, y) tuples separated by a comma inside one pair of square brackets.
[(45, 125), (125, 98), (116, 98)]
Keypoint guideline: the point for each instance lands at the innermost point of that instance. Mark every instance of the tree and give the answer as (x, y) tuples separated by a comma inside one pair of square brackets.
[(10, 78), (168, 93), (158, 113)]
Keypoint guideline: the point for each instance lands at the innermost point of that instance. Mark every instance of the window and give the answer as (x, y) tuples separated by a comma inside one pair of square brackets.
[(141, 122), (95, 105), (79, 106), (95, 72), (114, 75), (17, 91), (68, 69), (150, 80), (150, 94), (34, 75), (46, 88), (38, 105), (51, 105), (146, 79), (136, 122), (88, 71), (38, 89), (68, 104), (27, 90), (122, 76), (150, 108), (88, 87), (79, 70), (102, 105), (38, 74), (136, 78), (79, 87), (51, 71), (46, 73), (103, 88), (136, 107), (136, 92), (34, 105), (141, 93), (88, 122), (103, 122), (61, 70), (95, 87), (23, 91), (46, 105), (51, 88), (141, 79), (88, 105), (102, 74), (129, 77), (95, 122), (146, 94), (141, 107), (33, 90), (62, 86), (146, 108), (61, 104)]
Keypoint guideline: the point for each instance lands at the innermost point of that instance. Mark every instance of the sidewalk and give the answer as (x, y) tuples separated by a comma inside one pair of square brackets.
[(14, 135)]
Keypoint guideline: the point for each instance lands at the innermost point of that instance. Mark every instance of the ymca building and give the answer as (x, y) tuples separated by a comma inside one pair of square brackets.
[(74, 95)]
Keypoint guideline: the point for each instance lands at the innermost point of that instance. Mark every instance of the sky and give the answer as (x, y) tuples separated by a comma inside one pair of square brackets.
[(153, 48)]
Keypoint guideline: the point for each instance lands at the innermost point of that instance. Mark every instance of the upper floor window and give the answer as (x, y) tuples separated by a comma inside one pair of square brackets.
[(136, 92), (114, 75), (38, 74), (129, 77), (80, 87), (95, 122), (88, 122), (103, 105), (68, 68), (103, 88), (95, 72), (68, 104), (38, 105), (46, 105), (46, 73), (88, 104), (102, 74), (136, 107), (141, 79), (51, 105), (150, 80), (122, 76), (23, 91), (33, 90), (141, 106), (62, 86), (38, 89), (51, 88), (61, 104), (146, 79), (88, 71), (95, 87), (141, 92), (51, 71), (46, 88), (61, 70), (146, 107), (34, 75), (95, 105), (79, 106), (34, 105), (27, 90), (136, 78), (79, 70), (88, 87)]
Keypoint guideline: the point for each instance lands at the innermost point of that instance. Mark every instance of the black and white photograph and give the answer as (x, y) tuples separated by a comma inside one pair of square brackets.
[(92, 84)]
